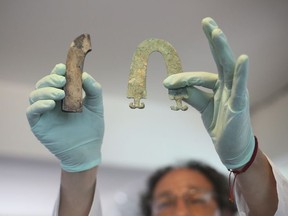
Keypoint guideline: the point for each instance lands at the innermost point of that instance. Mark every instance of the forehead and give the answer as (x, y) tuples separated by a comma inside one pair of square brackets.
[(179, 180)]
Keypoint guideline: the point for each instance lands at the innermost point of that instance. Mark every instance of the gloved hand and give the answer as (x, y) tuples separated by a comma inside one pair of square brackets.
[(74, 138), (225, 109)]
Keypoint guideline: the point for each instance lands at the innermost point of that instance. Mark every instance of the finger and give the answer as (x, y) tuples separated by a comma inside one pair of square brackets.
[(225, 56), (47, 93), (35, 110), (93, 91), (208, 25), (181, 80), (59, 69), (55, 79), (239, 93), (52, 80), (198, 98)]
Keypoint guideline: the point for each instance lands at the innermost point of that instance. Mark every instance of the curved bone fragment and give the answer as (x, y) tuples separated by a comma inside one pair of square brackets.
[(74, 68)]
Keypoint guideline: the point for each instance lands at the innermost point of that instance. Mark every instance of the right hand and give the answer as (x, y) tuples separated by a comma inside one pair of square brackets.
[(74, 138), (224, 109)]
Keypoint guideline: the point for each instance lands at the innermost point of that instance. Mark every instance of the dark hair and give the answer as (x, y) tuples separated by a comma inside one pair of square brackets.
[(219, 182)]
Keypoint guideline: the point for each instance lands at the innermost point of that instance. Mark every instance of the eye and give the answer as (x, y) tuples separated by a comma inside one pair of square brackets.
[(164, 205), (199, 198)]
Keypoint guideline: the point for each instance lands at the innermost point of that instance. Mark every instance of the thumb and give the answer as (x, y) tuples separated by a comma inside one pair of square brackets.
[(93, 90)]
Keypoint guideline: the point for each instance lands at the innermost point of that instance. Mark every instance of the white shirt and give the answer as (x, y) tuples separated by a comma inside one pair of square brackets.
[(282, 190)]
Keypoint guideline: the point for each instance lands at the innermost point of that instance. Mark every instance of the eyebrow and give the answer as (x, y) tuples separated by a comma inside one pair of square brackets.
[(163, 194), (168, 193)]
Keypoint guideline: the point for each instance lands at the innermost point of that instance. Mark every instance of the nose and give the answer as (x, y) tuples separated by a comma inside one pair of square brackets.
[(182, 208)]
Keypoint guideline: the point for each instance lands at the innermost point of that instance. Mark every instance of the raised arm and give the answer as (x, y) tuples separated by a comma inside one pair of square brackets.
[(74, 138), (77, 192), (225, 113)]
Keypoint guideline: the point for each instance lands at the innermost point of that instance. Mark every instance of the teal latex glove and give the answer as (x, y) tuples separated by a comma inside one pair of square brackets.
[(74, 138), (225, 109)]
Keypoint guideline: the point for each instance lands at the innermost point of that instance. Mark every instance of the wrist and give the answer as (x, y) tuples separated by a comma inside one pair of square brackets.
[(246, 166), (238, 154), (79, 181), (77, 192), (240, 170), (82, 158)]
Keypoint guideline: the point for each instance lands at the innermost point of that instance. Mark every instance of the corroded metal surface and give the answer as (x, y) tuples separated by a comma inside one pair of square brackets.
[(138, 69), (74, 68)]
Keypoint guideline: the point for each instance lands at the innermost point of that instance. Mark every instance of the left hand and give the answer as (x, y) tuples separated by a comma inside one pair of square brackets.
[(74, 138), (225, 110)]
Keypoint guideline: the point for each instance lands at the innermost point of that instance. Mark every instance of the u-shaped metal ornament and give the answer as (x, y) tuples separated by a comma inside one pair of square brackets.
[(138, 69)]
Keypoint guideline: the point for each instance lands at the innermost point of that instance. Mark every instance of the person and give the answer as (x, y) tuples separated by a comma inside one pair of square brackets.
[(196, 185), (258, 186)]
